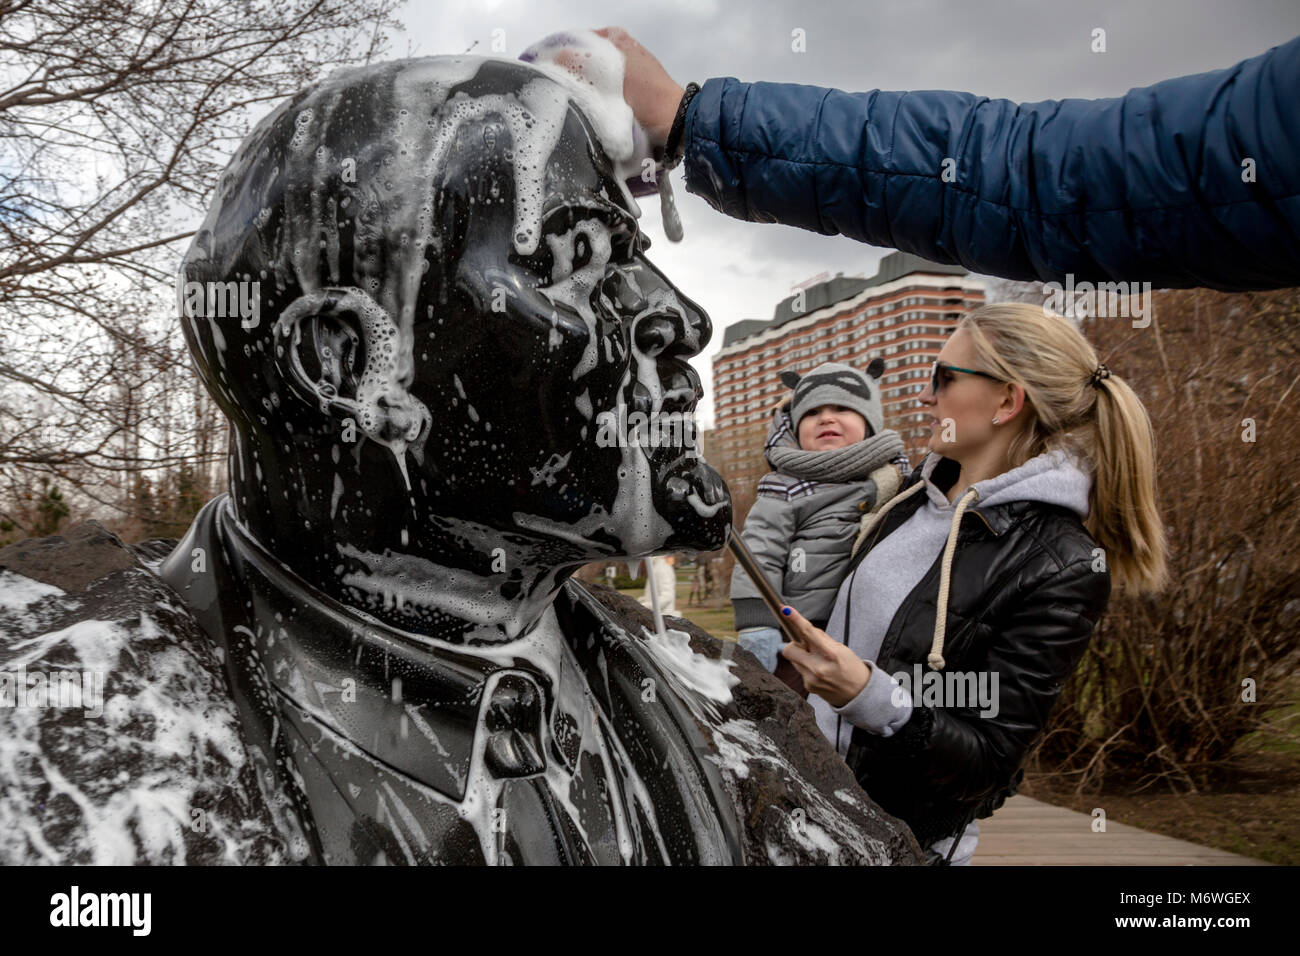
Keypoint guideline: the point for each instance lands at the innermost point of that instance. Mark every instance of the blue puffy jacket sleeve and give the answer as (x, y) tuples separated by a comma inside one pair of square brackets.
[(1194, 181)]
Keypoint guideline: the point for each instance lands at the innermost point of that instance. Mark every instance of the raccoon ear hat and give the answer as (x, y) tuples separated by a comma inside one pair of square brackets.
[(876, 368), (791, 379)]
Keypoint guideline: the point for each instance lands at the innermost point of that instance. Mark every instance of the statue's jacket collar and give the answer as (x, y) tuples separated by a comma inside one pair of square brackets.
[(379, 745)]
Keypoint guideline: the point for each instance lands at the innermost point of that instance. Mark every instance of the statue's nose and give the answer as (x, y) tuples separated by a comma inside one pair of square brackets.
[(664, 321)]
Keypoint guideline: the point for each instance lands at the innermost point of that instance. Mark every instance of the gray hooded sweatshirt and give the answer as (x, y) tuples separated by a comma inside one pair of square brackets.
[(897, 563)]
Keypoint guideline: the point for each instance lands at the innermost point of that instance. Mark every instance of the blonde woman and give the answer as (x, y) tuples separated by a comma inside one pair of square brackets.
[(973, 593)]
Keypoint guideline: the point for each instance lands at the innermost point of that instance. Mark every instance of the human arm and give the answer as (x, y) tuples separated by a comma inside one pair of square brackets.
[(828, 668), (1147, 187), (882, 707)]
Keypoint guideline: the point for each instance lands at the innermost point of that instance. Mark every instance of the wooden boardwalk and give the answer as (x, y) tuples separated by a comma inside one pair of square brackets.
[(1028, 832)]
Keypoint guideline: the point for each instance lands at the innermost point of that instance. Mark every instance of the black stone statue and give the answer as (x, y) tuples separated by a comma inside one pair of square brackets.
[(419, 292)]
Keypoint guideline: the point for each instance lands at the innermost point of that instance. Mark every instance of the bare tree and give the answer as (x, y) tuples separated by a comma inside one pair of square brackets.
[(1172, 683), (115, 120)]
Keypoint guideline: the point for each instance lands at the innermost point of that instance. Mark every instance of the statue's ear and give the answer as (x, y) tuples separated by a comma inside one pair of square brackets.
[(320, 350), (339, 350), (876, 368), (790, 379)]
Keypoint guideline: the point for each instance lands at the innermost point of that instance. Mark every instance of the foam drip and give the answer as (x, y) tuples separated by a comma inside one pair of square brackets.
[(593, 67)]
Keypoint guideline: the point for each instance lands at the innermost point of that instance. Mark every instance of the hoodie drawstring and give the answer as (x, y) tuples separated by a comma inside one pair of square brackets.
[(935, 657)]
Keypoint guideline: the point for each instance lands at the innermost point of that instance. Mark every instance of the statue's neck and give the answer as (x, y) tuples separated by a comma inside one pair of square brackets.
[(464, 584)]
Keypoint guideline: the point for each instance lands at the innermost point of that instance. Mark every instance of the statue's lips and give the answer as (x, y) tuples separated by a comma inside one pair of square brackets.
[(697, 504), (691, 474)]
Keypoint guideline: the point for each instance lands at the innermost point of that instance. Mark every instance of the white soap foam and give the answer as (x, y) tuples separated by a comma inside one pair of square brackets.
[(384, 410), (18, 591), (595, 68), (161, 722), (698, 674)]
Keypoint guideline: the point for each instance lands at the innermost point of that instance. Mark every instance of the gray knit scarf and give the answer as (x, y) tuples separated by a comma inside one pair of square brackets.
[(851, 463)]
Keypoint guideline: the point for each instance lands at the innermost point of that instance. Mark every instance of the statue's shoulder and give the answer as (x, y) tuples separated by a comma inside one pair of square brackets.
[(114, 707)]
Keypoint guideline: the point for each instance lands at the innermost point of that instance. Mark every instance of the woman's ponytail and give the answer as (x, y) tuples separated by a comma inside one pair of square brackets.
[(1124, 517)]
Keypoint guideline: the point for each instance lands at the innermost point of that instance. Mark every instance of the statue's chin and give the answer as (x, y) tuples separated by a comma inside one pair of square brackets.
[(698, 506)]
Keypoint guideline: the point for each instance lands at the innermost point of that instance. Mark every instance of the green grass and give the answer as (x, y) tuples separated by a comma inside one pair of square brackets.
[(714, 615), (1280, 732)]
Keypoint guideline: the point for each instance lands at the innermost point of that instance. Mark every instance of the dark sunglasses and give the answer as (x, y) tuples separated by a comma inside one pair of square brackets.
[(940, 375)]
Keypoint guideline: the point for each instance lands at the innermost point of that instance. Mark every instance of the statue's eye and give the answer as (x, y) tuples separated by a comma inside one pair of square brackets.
[(578, 254), (628, 242), (581, 243)]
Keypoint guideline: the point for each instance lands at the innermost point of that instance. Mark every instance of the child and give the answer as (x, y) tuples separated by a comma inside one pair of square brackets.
[(833, 463)]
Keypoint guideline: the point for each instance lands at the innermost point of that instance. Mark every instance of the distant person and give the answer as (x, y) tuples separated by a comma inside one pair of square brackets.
[(697, 587), (662, 576), (1189, 182)]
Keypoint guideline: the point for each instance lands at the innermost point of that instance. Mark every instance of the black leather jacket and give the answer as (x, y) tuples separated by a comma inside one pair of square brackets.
[(1025, 592)]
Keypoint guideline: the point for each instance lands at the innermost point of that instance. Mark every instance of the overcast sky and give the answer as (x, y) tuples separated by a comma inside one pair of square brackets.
[(1024, 50)]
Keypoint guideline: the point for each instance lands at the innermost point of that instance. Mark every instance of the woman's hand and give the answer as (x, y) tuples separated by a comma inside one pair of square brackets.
[(647, 87), (828, 668)]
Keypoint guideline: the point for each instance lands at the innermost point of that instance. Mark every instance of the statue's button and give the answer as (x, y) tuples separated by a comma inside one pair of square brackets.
[(513, 722), (512, 754)]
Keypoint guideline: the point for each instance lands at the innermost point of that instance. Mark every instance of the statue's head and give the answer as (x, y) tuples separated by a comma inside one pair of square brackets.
[(421, 298)]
